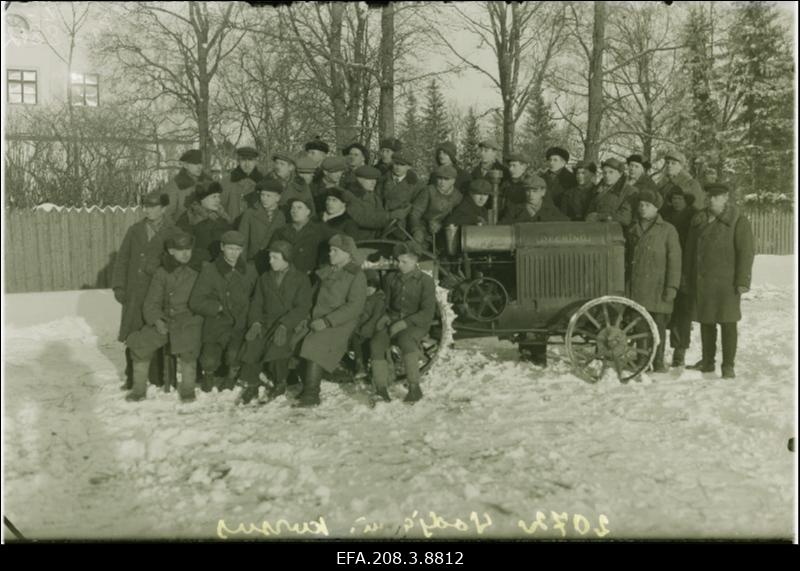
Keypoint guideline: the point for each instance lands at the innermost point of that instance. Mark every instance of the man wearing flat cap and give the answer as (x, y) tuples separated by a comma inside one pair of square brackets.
[(281, 301), (433, 205), (614, 198), (445, 155), (306, 235), (536, 207), (206, 220), (718, 265), (357, 156), (472, 211), (222, 296), (676, 173), (388, 147), (238, 184), (364, 205), (260, 221), (181, 187), (137, 260), (488, 150), (558, 177), (575, 200), (168, 319), (511, 189), (332, 169), (637, 175), (398, 191), (285, 172), (339, 299)]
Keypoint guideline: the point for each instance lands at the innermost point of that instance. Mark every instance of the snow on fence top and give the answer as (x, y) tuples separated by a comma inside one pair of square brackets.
[(50, 207)]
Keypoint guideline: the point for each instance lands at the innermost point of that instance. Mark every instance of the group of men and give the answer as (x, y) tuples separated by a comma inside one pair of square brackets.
[(259, 272)]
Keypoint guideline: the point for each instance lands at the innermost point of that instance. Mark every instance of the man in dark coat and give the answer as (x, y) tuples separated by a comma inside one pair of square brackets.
[(238, 184), (357, 156), (222, 296), (472, 211), (339, 299), (675, 174), (282, 300), (333, 169), (388, 148), (614, 197), (637, 175), (489, 150), (336, 217), (654, 265), (206, 220), (718, 267), (536, 208), (558, 177), (410, 309), (511, 189), (575, 200), (137, 261), (260, 222), (317, 150), (445, 155), (300, 186), (433, 205), (365, 206), (169, 320), (181, 188), (398, 191), (679, 213), (306, 236), (374, 309)]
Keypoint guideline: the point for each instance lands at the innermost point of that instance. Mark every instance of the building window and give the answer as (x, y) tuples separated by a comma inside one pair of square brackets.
[(85, 89), (22, 86)]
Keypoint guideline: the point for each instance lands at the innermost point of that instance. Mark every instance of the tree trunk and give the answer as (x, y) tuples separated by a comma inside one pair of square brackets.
[(386, 105), (345, 127), (509, 126), (592, 143)]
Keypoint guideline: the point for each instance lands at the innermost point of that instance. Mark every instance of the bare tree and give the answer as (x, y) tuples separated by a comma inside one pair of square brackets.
[(524, 38), (386, 113), (175, 51)]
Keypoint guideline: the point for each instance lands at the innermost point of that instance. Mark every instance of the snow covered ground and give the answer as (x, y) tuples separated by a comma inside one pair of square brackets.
[(509, 449)]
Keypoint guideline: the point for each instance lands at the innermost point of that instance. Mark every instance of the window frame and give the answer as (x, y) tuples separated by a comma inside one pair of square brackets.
[(80, 100), (22, 82)]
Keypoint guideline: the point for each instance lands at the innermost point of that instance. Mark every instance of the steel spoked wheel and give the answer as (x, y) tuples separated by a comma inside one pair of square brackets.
[(614, 332), (484, 299)]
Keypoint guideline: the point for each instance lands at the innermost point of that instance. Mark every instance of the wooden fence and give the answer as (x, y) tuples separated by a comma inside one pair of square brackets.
[(75, 249)]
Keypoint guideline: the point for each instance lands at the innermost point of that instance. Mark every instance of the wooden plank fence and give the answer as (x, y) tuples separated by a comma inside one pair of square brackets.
[(75, 249)]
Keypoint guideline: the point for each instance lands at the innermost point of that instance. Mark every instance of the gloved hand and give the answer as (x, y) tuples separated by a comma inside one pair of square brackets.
[(382, 323), (669, 294), (318, 325), (742, 289), (397, 327), (119, 294), (161, 327), (253, 332), (279, 337)]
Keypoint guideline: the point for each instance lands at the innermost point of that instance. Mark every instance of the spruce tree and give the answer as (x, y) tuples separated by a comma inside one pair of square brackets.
[(411, 133), (469, 154), (435, 121), (537, 133)]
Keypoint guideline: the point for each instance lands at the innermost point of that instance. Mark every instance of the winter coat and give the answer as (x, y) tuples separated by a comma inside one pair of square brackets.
[(319, 195), (397, 195), (432, 207), (342, 224), (168, 299), (718, 259), (654, 264), (411, 297), (136, 263), (238, 191), (295, 187), (613, 203), (374, 309), (463, 179), (180, 190), (467, 213), (519, 213), (258, 227), (366, 208), (690, 187), (207, 227), (222, 296), (644, 181), (339, 298), (558, 183), (575, 201), (309, 244), (287, 304), (680, 220)]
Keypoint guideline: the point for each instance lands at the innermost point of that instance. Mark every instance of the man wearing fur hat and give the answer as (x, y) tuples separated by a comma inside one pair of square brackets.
[(675, 173), (339, 299), (637, 175), (718, 265), (336, 217), (614, 197), (433, 205), (388, 148), (317, 150), (558, 177), (168, 319), (282, 300), (654, 265), (446, 156), (260, 221), (206, 220), (137, 261), (222, 296), (240, 182), (181, 188)]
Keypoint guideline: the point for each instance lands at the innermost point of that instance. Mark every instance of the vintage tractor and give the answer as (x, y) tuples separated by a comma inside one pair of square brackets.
[(533, 284)]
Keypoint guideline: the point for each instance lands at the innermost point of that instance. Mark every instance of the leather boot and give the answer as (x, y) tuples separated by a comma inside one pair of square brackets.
[(250, 374), (708, 336), (411, 361), (140, 377), (380, 379), (678, 357), (658, 361), (127, 384), (229, 383), (188, 376), (207, 384), (311, 386)]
